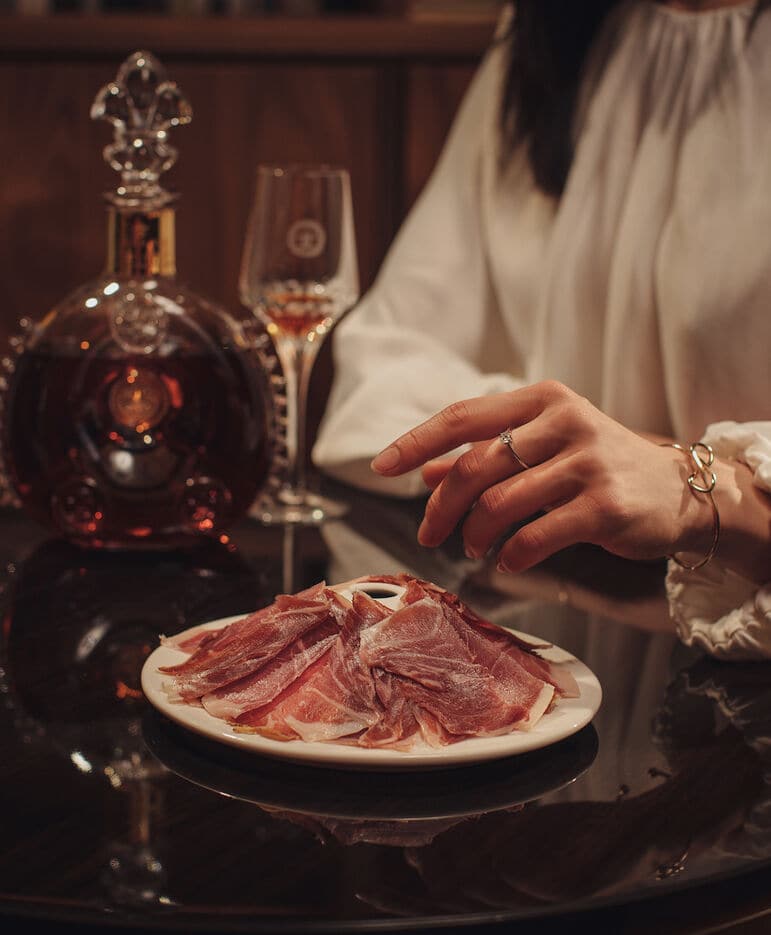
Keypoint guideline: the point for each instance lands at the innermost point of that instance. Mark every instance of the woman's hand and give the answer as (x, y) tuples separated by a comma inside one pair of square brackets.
[(590, 480)]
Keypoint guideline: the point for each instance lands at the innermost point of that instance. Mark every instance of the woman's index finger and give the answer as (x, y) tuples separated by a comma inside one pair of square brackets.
[(469, 420)]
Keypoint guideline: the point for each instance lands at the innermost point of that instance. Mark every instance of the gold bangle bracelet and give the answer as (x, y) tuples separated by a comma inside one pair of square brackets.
[(702, 481)]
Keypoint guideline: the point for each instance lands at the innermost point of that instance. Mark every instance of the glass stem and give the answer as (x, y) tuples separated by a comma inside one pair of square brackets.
[(297, 358)]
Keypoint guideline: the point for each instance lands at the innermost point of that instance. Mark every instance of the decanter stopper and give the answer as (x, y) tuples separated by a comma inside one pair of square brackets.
[(141, 104)]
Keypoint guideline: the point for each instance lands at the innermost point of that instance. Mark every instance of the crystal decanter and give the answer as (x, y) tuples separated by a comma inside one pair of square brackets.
[(137, 414)]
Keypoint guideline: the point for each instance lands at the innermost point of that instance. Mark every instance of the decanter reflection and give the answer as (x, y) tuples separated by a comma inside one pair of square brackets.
[(80, 699), (137, 413)]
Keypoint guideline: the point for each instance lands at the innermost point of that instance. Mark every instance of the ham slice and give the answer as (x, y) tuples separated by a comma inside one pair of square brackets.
[(334, 698), (398, 724), (441, 675), (189, 644), (246, 645), (526, 654), (261, 687)]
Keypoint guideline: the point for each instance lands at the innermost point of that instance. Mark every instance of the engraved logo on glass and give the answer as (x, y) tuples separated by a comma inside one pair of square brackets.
[(306, 238)]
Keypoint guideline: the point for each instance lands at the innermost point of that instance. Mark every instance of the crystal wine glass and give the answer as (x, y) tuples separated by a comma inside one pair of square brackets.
[(299, 275)]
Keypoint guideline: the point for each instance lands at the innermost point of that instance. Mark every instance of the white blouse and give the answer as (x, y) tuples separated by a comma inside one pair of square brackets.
[(645, 287)]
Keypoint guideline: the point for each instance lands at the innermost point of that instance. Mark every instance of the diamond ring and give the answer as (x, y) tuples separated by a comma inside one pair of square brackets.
[(505, 438)]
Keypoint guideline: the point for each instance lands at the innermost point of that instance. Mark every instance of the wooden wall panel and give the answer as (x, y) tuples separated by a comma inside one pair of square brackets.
[(51, 215), (433, 94)]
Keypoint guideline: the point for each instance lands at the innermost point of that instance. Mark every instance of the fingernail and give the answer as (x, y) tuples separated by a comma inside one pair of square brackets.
[(387, 460), (502, 568), (424, 537)]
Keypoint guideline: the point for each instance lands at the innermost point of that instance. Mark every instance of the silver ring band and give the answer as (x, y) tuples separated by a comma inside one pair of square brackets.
[(505, 438)]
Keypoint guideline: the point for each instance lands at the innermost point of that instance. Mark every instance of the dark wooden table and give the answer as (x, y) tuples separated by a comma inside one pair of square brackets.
[(656, 817)]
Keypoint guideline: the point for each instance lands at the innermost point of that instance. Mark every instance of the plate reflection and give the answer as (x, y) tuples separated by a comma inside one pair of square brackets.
[(432, 795), (383, 809)]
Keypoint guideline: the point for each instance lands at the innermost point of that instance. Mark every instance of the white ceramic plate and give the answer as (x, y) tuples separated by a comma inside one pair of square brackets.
[(568, 716)]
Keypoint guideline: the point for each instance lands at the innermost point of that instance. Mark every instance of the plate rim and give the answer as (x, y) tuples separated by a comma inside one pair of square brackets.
[(576, 713)]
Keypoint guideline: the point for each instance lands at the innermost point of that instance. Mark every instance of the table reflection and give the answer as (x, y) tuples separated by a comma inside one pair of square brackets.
[(667, 788), (532, 844)]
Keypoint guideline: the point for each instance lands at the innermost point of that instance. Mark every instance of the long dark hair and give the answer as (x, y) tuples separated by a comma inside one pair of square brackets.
[(548, 44)]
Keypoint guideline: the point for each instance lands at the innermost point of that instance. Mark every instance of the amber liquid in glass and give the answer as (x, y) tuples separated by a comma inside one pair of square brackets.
[(297, 315), (140, 450)]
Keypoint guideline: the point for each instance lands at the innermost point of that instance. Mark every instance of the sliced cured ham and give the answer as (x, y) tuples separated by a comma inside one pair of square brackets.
[(468, 696), (266, 683), (189, 644), (500, 640), (247, 645), (337, 665), (398, 724), (334, 699)]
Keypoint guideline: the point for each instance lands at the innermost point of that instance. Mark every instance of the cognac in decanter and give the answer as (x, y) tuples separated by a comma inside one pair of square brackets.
[(136, 412)]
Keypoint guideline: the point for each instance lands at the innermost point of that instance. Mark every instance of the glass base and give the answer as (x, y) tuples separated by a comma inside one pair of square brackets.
[(307, 510)]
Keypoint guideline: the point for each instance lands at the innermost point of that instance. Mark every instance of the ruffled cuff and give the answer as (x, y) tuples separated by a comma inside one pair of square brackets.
[(713, 608)]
